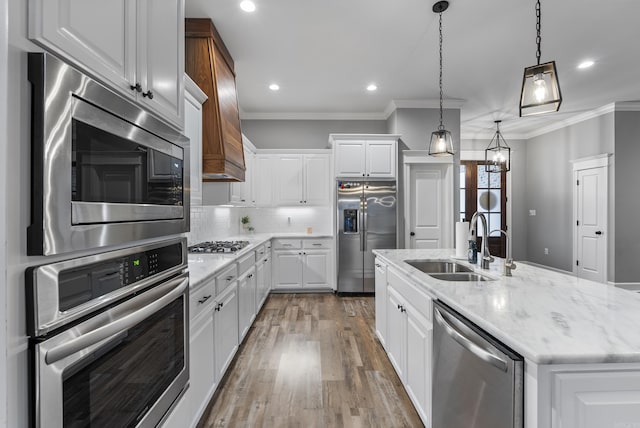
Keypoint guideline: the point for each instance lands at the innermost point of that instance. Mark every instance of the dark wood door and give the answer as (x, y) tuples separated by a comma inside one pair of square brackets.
[(485, 192)]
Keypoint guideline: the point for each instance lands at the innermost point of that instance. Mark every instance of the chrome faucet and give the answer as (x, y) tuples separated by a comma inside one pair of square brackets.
[(509, 265), (486, 256)]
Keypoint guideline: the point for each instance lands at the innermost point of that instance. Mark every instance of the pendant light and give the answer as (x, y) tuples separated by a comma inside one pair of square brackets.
[(540, 88), (441, 142), (497, 156)]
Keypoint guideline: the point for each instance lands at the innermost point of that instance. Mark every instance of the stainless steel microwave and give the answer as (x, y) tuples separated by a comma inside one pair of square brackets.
[(104, 171)]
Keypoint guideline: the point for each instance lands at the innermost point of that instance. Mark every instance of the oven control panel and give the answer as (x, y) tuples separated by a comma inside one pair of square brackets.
[(82, 284)]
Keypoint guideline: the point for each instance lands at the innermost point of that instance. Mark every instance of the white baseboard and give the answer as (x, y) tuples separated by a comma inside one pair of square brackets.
[(633, 286)]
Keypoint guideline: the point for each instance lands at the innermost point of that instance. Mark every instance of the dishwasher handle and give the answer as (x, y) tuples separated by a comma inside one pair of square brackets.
[(453, 327)]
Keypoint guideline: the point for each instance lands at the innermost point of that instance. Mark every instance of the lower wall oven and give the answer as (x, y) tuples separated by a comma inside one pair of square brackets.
[(109, 341)]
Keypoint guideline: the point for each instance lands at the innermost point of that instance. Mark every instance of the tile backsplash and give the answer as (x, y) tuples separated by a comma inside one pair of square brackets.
[(215, 222)]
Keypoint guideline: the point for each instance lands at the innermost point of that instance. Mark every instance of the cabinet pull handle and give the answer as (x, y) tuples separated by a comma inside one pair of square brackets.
[(378, 265), (204, 299), (265, 260), (316, 245), (250, 275), (305, 202), (286, 245), (148, 94), (229, 278), (221, 304), (300, 201), (136, 87), (217, 308)]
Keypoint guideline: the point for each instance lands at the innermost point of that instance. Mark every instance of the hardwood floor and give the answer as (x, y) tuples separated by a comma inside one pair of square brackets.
[(312, 360)]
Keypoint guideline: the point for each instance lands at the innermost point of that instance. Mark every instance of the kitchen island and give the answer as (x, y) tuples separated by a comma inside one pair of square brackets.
[(580, 339)]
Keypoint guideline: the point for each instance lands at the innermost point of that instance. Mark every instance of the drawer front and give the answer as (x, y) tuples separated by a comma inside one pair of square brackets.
[(260, 252), (287, 244), (311, 244), (410, 293), (245, 262), (226, 278), (201, 299)]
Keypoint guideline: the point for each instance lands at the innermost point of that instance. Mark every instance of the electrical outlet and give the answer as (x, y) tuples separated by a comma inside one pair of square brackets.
[(546, 251), (532, 213)]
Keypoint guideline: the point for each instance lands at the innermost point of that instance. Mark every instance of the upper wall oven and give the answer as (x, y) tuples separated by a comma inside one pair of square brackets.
[(104, 171)]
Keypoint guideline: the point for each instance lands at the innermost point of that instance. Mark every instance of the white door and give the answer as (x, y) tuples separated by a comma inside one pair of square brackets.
[(287, 269), (396, 331), (193, 131), (591, 223), (226, 329), (289, 180), (264, 166), (427, 207), (350, 158), (315, 269), (317, 181)]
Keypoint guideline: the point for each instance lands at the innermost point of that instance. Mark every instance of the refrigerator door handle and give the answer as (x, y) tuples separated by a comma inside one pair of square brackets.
[(363, 226)]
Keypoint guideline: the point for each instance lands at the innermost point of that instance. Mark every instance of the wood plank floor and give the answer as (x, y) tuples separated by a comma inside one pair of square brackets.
[(312, 360)]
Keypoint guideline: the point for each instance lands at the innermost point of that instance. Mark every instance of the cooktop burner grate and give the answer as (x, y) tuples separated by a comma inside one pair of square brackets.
[(218, 247)]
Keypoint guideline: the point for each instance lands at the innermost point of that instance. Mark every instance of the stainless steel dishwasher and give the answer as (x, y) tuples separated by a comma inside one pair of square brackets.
[(477, 381)]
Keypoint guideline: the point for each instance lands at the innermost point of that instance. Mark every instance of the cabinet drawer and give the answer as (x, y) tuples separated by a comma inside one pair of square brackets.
[(226, 278), (410, 293), (317, 243), (245, 262), (287, 244), (201, 299), (260, 253)]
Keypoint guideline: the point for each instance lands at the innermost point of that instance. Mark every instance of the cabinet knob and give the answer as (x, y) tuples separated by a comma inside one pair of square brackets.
[(250, 275), (148, 94), (217, 308), (363, 175), (221, 304), (136, 87), (599, 232), (300, 201), (412, 234)]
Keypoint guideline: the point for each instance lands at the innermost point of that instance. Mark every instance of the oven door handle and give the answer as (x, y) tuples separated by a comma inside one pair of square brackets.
[(137, 309)]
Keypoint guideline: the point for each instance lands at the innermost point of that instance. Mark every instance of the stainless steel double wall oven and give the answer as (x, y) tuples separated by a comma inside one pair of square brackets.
[(109, 343), (104, 171)]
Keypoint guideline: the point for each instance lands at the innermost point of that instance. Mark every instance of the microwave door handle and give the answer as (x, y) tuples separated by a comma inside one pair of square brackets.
[(476, 350), (176, 287)]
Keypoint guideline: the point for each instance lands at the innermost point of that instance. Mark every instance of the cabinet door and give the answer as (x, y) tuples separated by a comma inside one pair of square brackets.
[(397, 327), (418, 368), (226, 329), (381, 159), (260, 285), (317, 180), (287, 269), (381, 301), (288, 174), (160, 58), (202, 367), (316, 269), (240, 191), (193, 131), (350, 158), (263, 180), (246, 303), (97, 36)]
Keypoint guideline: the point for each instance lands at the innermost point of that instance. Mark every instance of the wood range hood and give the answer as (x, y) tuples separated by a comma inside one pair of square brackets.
[(209, 64)]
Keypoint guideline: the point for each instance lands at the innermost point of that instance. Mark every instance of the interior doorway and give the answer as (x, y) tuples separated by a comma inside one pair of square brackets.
[(487, 193)]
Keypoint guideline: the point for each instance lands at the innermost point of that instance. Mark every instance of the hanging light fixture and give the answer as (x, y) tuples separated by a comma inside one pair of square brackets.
[(441, 142), (540, 88), (497, 156)]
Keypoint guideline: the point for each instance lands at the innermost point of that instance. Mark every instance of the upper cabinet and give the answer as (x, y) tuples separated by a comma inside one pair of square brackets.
[(134, 47), (209, 64), (372, 156), (302, 179), (194, 97)]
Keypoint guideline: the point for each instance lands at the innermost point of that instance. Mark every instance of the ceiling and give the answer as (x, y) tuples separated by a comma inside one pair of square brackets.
[(324, 53)]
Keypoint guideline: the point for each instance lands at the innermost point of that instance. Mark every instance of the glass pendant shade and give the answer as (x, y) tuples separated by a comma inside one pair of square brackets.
[(497, 155), (441, 143), (540, 90)]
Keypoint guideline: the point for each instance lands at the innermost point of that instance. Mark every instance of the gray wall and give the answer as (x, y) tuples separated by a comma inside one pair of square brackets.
[(549, 187), (625, 267), (305, 134), (518, 221)]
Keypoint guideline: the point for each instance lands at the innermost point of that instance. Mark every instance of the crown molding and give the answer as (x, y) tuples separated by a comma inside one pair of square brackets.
[(608, 108), (425, 103), (313, 116), (627, 106)]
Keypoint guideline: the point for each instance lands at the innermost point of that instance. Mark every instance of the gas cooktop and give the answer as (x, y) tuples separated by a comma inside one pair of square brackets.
[(218, 247)]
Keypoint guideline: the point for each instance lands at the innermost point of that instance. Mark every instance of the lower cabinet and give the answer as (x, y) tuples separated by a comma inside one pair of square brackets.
[(409, 338), (246, 302), (263, 280), (381, 301), (201, 365), (303, 264), (225, 329)]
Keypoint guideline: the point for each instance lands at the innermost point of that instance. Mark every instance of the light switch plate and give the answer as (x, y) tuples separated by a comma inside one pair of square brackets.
[(532, 213)]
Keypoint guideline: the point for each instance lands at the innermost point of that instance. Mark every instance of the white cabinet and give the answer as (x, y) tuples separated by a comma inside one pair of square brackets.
[(263, 182), (409, 340), (381, 301), (366, 157), (246, 302), (302, 179), (135, 47), (263, 274), (202, 381), (194, 97), (242, 192), (226, 329), (302, 264)]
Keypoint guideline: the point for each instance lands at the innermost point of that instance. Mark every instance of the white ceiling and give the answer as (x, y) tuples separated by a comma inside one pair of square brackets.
[(323, 54)]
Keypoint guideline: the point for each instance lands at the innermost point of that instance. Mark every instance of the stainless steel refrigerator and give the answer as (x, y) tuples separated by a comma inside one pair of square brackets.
[(366, 220)]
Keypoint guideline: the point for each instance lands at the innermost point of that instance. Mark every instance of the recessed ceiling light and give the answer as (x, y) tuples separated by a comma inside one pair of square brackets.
[(372, 87), (586, 64), (248, 6), (274, 87)]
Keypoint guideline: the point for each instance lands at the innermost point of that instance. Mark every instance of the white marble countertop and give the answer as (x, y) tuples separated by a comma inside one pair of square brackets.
[(546, 316), (204, 266)]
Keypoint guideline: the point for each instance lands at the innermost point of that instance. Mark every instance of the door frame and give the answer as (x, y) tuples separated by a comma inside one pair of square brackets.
[(591, 162), (478, 155), (421, 157)]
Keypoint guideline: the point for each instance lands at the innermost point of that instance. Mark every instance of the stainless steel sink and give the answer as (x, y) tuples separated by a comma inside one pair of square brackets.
[(460, 276), (438, 266)]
